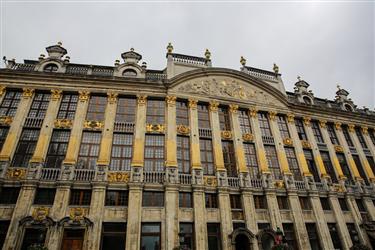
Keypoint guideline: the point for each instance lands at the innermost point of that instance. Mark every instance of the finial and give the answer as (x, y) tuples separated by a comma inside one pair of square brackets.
[(41, 57), (144, 65), (299, 78), (59, 43), (275, 68), (117, 62), (243, 61), (170, 48), (338, 87), (207, 54), (131, 49)]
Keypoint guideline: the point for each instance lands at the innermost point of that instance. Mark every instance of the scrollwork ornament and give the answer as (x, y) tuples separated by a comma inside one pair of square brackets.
[(182, 129), (16, 173), (171, 100), (248, 137), (93, 125), (155, 128), (84, 95), (77, 213), (192, 103), (56, 94), (210, 181), (112, 97), (339, 148), (27, 92), (233, 108), (40, 213), (141, 99), (119, 177), (63, 123), (288, 141), (306, 144), (226, 134)]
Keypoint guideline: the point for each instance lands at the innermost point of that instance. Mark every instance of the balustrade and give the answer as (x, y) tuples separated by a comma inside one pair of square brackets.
[(268, 140), (84, 174), (153, 177), (256, 183), (300, 185), (234, 182), (127, 127), (50, 174), (184, 179), (205, 132), (33, 122)]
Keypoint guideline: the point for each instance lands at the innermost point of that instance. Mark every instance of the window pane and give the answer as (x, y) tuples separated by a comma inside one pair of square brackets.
[(155, 111)]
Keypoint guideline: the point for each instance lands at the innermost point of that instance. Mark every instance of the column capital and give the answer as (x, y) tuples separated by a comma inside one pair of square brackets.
[(84, 95), (192, 103), (351, 127), (364, 130), (112, 97), (253, 112), (170, 100), (233, 108), (307, 120), (290, 117), (214, 105), (2, 90), (141, 99), (27, 92), (272, 115), (323, 123), (56, 94), (338, 125)]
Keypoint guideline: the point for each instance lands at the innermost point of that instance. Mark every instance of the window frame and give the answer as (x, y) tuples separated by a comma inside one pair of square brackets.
[(68, 106), (154, 153), (96, 108), (80, 197), (9, 104)]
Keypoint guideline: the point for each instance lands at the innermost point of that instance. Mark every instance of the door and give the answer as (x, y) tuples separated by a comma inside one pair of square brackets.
[(242, 242), (73, 239)]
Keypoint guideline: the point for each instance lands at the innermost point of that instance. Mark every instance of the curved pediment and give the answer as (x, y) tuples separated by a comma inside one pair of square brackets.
[(224, 84)]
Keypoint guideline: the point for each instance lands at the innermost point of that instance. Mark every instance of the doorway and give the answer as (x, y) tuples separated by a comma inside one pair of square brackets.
[(73, 239), (242, 242)]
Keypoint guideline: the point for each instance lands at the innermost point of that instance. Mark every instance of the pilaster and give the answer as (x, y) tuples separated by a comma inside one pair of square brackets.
[(133, 228), (171, 216), (250, 214), (171, 141), (194, 135), (357, 218), (200, 224), (96, 214), (2, 92), (139, 134), (226, 226), (346, 242), (370, 207), (273, 209), (216, 137)]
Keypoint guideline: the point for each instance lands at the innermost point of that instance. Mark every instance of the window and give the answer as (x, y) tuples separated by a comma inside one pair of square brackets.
[(10, 103), (334, 235), (34, 235), (39, 105), (89, 150), (68, 106), (154, 153), (244, 120), (4, 225), (360, 205), (371, 163), (353, 233), (155, 112), (300, 129), (311, 164), (371, 132), (224, 118), (238, 225), (51, 67), (325, 204), (251, 159), (282, 202), (235, 201), (203, 116), (273, 163), (264, 125), (207, 159), (129, 73), (313, 236), (153, 199), (186, 235), (332, 134), (9, 195), (122, 151), (116, 198), (260, 202), (229, 158), (126, 108), (361, 171), (344, 166), (185, 199), (262, 226), (3, 135), (57, 148), (343, 204), (113, 236), (345, 131), (360, 137), (211, 200), (80, 197), (44, 196), (150, 236), (305, 203), (214, 237), (182, 113), (290, 236), (328, 164), (293, 163), (316, 131), (25, 148), (96, 109), (183, 154), (283, 126)]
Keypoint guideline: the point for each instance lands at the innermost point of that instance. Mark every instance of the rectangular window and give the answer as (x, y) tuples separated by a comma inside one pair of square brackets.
[(126, 108), (311, 164), (3, 135), (96, 109), (293, 163), (89, 150), (214, 237), (9, 195), (300, 129), (150, 236), (345, 131), (80, 197), (360, 205), (344, 166), (290, 236), (262, 226), (207, 158), (343, 204), (273, 163), (153, 199), (68, 106), (305, 203), (283, 126), (122, 152), (57, 148), (235, 201), (39, 105), (325, 204), (361, 139), (73, 237), (244, 120), (185, 199), (260, 202), (313, 236), (203, 116), (371, 163), (113, 236), (282, 202), (353, 233), (264, 125), (44, 196), (328, 164), (154, 153), (183, 154), (10, 103), (251, 159), (361, 171), (211, 200), (229, 158), (33, 236), (155, 112), (116, 198), (371, 132), (186, 235), (334, 235), (332, 134), (182, 113), (316, 131), (224, 118), (4, 225), (25, 148)]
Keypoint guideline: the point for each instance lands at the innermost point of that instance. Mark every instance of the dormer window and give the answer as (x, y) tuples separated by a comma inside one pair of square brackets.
[(51, 68), (129, 73)]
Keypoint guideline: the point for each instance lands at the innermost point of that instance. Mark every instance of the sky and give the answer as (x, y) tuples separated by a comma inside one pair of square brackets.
[(325, 42)]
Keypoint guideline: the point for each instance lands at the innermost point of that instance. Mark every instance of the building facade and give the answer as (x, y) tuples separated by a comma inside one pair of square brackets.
[(189, 157)]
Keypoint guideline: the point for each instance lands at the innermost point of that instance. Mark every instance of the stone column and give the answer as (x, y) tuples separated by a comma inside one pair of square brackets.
[(273, 209), (369, 205), (226, 225), (171, 217), (250, 214), (171, 141), (320, 221), (346, 242), (200, 223), (21, 210), (2, 92), (133, 229), (96, 214), (216, 137), (352, 204), (195, 155)]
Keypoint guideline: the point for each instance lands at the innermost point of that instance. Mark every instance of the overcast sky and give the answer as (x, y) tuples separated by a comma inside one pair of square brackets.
[(324, 43)]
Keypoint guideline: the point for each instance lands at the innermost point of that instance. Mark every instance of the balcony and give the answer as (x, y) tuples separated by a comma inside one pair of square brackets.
[(205, 132), (300, 185), (234, 182), (184, 179), (84, 174), (268, 140), (256, 183), (50, 174), (153, 177), (127, 127), (33, 122)]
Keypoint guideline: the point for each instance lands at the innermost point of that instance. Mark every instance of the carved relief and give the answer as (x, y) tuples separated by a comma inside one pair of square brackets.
[(307, 120), (306, 144), (40, 213), (323, 123), (155, 128), (56, 94), (182, 129), (6, 120), (248, 137), (77, 213), (119, 177), (84, 95), (279, 184), (288, 142), (233, 108), (192, 103), (171, 100), (95, 125), (339, 149), (63, 123), (112, 97), (214, 105), (16, 173), (226, 134), (141, 99), (290, 118), (27, 93), (210, 181)]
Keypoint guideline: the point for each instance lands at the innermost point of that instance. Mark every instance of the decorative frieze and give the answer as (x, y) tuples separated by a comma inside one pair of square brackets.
[(210, 181), (155, 128), (6, 120), (84, 95), (94, 125), (226, 134), (192, 103), (290, 118), (323, 123), (171, 100), (141, 99), (233, 108), (63, 123), (183, 130), (214, 105), (288, 142), (119, 177), (307, 121), (16, 173), (112, 97), (56, 94), (27, 92), (40, 213), (248, 137)]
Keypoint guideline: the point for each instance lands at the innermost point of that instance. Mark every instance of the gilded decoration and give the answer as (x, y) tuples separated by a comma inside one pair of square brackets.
[(93, 125), (365, 130), (141, 99), (84, 95), (2, 90), (290, 118), (6, 120), (305, 144), (279, 184), (63, 123), (27, 93), (214, 105), (118, 177), (226, 134), (77, 213), (272, 115), (233, 108), (16, 173), (56, 94), (323, 123), (351, 127), (210, 181), (112, 97), (182, 129), (40, 213), (337, 188), (307, 120), (248, 137), (253, 112), (155, 128), (288, 141), (339, 148), (171, 100), (338, 125), (192, 103)]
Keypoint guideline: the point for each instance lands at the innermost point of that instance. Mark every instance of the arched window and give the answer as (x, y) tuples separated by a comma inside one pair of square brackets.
[(51, 68), (129, 72), (347, 107), (307, 100)]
